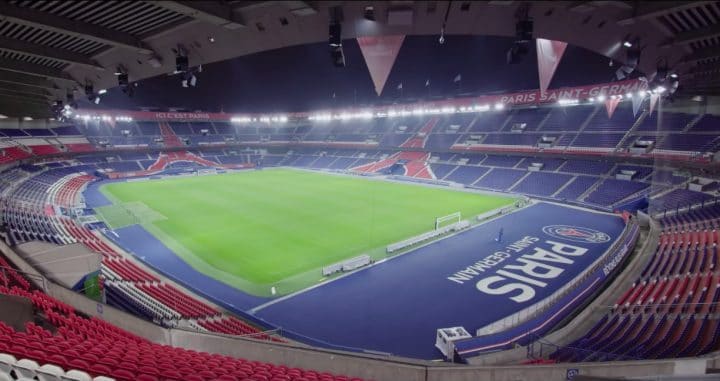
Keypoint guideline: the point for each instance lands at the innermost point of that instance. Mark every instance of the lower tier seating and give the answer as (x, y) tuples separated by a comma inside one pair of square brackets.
[(69, 341), (671, 309)]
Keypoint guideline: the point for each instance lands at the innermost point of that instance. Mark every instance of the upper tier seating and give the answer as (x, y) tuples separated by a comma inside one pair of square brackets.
[(621, 120), (708, 123), (686, 142), (670, 121), (529, 119), (586, 167), (597, 140), (566, 118), (541, 183), (612, 191), (680, 198), (500, 178)]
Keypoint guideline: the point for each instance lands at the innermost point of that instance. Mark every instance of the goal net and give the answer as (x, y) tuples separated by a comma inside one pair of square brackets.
[(448, 220), (206, 171)]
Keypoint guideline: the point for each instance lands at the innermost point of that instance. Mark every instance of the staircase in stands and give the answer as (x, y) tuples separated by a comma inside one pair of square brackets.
[(169, 137), (168, 158), (415, 163)]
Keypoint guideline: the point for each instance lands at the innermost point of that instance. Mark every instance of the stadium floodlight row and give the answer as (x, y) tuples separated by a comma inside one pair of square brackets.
[(579, 130)]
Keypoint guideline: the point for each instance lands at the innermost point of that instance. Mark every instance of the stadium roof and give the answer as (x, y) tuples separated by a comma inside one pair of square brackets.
[(48, 48)]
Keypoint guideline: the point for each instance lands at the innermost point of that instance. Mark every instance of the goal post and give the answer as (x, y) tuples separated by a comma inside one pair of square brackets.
[(450, 219), (206, 171)]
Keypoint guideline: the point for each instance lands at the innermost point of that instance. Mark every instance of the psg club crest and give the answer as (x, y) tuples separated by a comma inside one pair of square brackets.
[(576, 234)]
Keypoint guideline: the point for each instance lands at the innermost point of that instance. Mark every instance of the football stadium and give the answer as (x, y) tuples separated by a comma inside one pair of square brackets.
[(357, 191)]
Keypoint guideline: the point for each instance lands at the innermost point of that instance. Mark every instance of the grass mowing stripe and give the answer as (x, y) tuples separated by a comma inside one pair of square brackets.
[(263, 227)]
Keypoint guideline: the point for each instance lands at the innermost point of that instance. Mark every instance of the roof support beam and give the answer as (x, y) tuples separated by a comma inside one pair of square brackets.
[(301, 8), (22, 99), (34, 69), (47, 21), (651, 9), (23, 95), (702, 68), (213, 12), (36, 50), (26, 80), (22, 89), (688, 37), (704, 54), (704, 76)]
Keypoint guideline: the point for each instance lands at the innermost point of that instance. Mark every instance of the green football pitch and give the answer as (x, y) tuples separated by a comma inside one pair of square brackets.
[(278, 227)]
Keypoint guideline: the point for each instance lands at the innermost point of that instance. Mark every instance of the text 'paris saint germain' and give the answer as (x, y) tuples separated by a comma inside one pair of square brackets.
[(544, 261)]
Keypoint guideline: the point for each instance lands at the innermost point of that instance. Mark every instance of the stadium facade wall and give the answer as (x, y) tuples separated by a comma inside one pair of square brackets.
[(560, 372)]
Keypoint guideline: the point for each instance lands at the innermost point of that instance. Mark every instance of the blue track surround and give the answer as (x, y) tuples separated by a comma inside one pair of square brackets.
[(155, 254), (528, 331), (396, 306)]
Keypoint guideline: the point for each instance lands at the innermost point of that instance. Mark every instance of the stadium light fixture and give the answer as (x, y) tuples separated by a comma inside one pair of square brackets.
[(567, 102), (673, 75), (601, 98), (182, 63), (627, 44), (90, 93), (369, 13), (27, 118), (629, 95), (240, 119), (2, 116), (499, 106)]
